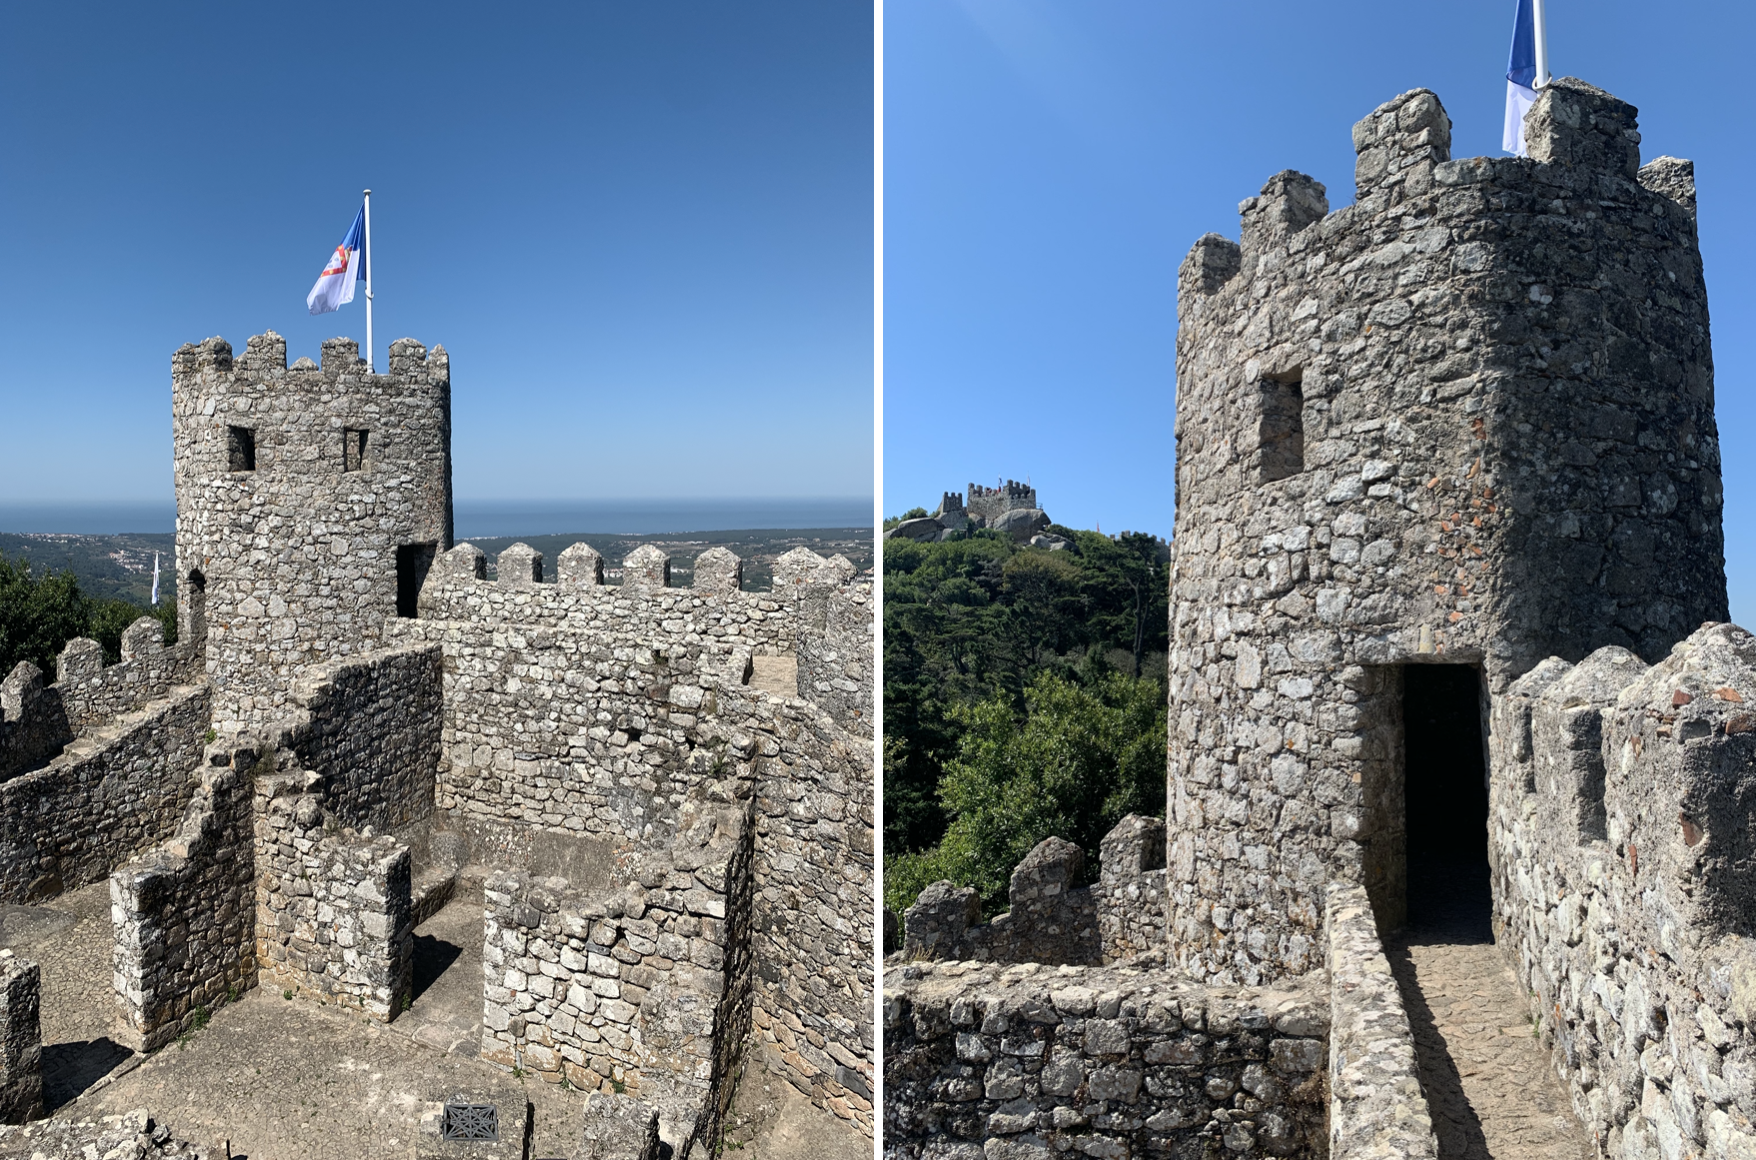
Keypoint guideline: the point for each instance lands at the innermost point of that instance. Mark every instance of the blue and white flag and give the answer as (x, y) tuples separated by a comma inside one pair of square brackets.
[(335, 286), (1520, 78)]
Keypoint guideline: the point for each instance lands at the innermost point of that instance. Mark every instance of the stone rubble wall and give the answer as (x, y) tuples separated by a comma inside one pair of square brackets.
[(111, 794), (1026, 1062), (298, 556), (334, 912), (183, 912), (33, 721), (1052, 921), (1622, 807), (371, 727), (1468, 418), (1376, 1108), (93, 694), (573, 707), (814, 882), (644, 988), (835, 648), (21, 1039)]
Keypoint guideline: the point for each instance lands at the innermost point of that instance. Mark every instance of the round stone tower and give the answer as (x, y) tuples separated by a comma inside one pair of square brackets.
[(310, 502), (1466, 421)]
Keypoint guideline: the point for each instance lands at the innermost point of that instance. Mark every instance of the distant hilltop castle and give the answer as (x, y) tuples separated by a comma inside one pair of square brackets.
[(1010, 507)]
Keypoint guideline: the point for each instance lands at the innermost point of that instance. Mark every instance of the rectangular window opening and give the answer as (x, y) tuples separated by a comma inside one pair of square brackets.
[(412, 564), (240, 449), (353, 449), (1282, 433)]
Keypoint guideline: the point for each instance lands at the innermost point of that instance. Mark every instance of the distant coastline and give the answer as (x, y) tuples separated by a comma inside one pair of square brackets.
[(494, 518)]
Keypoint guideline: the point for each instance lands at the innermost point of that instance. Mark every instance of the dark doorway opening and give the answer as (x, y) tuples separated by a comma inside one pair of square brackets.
[(1445, 789), (412, 563)]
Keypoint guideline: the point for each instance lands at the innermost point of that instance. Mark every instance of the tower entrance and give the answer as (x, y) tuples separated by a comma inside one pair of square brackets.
[(1445, 789)]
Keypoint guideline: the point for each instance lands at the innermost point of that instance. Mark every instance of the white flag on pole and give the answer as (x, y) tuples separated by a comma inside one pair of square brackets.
[(335, 286), (1521, 71)]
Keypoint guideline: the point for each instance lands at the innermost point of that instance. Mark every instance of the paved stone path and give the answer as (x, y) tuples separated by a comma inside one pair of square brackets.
[(1487, 1079), (70, 938)]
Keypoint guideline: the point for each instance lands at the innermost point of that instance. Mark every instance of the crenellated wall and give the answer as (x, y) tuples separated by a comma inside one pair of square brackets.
[(110, 795), (1467, 419), (1623, 808)]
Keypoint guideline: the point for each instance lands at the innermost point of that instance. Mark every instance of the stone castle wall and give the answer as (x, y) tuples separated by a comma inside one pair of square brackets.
[(1029, 1062), (334, 916), (575, 707), (834, 638), (1467, 419), (370, 727), (643, 987), (1623, 807), (110, 795), (290, 539), (183, 912)]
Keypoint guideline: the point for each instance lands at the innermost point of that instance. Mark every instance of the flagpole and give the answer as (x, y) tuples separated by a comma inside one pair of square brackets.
[(369, 260), (1542, 81)]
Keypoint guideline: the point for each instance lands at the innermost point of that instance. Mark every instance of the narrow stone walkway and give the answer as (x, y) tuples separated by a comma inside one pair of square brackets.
[(1486, 1076)]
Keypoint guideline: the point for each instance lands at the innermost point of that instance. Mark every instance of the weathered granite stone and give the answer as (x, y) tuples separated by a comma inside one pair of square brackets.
[(618, 1127), (1467, 419), (646, 569), (579, 564), (21, 1040), (719, 570)]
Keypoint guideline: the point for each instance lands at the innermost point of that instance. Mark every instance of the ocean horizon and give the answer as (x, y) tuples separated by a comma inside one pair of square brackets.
[(487, 519)]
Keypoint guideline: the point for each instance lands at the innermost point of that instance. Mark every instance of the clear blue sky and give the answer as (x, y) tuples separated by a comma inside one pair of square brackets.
[(643, 230), (1048, 165)]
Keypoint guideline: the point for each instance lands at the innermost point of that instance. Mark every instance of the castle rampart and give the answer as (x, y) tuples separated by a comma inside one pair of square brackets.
[(1467, 420)]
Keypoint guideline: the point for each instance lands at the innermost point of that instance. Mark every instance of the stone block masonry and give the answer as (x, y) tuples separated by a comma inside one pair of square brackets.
[(1467, 419), (1026, 1062), (334, 912), (37, 721), (834, 638), (371, 728), (1623, 800), (296, 552), (814, 881), (110, 795), (21, 1040), (184, 912), (644, 988)]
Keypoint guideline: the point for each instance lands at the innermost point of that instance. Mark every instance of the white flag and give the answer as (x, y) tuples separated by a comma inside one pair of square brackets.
[(335, 286)]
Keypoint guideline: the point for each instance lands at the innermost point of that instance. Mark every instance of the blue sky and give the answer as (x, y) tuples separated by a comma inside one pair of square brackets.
[(643, 231), (1048, 165)]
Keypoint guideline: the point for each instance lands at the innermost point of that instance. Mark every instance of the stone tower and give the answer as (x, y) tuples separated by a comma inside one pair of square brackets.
[(1465, 422), (310, 502)]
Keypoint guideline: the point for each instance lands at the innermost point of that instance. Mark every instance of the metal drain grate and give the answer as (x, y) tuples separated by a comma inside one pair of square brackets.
[(470, 1122)]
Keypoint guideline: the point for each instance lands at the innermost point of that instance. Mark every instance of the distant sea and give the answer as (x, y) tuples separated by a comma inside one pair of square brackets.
[(492, 518)]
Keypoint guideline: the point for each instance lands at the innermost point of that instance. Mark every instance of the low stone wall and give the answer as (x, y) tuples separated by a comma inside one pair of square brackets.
[(1027, 1062), (93, 694), (21, 1039), (1623, 799), (644, 988), (1052, 920), (334, 913), (110, 795), (183, 912), (372, 728), (812, 925), (1376, 1109)]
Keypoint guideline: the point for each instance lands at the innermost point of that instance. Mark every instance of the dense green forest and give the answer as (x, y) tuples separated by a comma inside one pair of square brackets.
[(41, 610), (1024, 697)]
